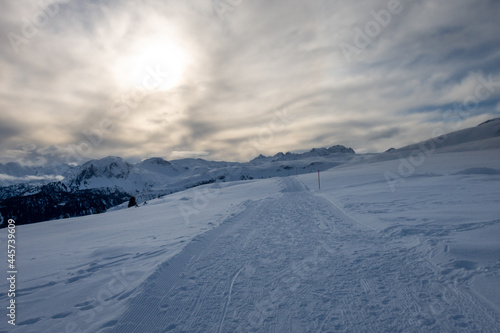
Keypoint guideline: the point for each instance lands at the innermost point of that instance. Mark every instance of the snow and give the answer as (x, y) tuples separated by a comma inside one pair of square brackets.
[(386, 244), (448, 207), (155, 177), (69, 268), (482, 137)]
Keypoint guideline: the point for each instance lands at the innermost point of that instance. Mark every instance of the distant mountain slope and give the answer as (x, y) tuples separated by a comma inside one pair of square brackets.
[(315, 152), (484, 136), (481, 137), (54, 201), (97, 185), (159, 165)]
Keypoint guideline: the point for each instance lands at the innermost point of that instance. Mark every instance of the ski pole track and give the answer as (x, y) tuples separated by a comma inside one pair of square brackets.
[(299, 264)]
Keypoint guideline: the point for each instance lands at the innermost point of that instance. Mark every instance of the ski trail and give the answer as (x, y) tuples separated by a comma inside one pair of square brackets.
[(297, 263), (229, 298)]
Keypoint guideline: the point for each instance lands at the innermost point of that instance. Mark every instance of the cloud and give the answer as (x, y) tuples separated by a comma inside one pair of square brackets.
[(8, 131), (70, 89), (12, 179), (385, 134), (188, 154)]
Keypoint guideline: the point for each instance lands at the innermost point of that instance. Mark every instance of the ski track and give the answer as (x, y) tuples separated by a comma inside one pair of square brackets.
[(299, 264)]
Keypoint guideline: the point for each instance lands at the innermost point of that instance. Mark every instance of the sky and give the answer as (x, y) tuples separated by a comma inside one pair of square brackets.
[(232, 79)]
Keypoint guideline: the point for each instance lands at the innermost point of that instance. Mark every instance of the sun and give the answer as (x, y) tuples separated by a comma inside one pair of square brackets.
[(156, 65)]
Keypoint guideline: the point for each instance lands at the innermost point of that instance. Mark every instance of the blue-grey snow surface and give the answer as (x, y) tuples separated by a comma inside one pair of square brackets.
[(297, 263), (386, 245)]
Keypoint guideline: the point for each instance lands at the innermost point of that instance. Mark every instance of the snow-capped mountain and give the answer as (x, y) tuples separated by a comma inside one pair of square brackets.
[(110, 171), (156, 176), (159, 165), (315, 152), (100, 184), (106, 182)]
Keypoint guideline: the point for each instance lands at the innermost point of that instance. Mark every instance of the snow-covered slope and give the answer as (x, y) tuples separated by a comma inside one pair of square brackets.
[(155, 173), (101, 173), (360, 255), (148, 179), (484, 136), (332, 152), (159, 165), (155, 177), (98, 262)]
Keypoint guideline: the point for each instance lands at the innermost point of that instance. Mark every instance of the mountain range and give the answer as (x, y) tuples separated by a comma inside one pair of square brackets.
[(98, 185), (95, 186)]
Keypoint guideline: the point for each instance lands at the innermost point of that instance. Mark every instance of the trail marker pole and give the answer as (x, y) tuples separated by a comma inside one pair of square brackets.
[(319, 183)]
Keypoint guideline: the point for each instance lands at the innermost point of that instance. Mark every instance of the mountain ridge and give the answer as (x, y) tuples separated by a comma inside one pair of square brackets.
[(100, 184)]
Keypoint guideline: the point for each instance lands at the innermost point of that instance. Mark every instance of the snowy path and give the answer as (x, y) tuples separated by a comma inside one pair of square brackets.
[(298, 264)]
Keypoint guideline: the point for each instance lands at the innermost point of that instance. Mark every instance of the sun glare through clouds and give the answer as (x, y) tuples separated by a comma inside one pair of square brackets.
[(214, 75), (154, 64)]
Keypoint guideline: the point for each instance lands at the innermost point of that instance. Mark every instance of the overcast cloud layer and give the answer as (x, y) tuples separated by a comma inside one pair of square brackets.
[(230, 79)]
